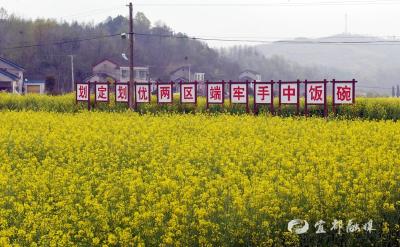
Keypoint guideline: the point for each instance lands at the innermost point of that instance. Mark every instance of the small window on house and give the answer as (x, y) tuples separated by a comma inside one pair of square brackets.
[(124, 73), (199, 77), (142, 75)]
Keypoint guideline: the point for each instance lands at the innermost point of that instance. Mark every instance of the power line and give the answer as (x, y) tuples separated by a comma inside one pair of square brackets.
[(339, 42), (316, 3), (268, 41), (396, 42), (260, 41), (274, 38), (62, 42)]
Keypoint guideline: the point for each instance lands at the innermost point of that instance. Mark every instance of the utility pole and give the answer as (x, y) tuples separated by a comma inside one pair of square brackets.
[(72, 73), (131, 69), (190, 79), (188, 64)]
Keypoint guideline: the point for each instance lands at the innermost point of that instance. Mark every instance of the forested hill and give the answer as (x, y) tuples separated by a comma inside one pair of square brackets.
[(42, 47), (161, 54), (375, 64)]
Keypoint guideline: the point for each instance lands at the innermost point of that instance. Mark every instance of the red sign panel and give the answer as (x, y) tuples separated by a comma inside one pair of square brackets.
[(188, 92), (315, 93), (102, 93), (164, 93), (82, 92), (289, 93), (142, 93), (122, 92), (263, 93), (215, 92), (343, 92), (238, 92)]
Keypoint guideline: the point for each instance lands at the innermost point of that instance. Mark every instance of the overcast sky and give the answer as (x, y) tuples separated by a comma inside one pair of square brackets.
[(237, 19)]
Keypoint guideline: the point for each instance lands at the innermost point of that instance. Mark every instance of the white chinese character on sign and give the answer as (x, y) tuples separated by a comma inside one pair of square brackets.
[(320, 227), (337, 225), (352, 227), (368, 226)]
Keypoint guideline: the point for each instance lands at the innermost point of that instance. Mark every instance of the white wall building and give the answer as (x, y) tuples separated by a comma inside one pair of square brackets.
[(109, 70), (34, 86), (11, 76)]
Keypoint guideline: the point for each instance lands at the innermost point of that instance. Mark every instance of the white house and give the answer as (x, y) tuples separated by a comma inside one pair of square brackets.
[(184, 74), (249, 75), (34, 86), (11, 76), (112, 70)]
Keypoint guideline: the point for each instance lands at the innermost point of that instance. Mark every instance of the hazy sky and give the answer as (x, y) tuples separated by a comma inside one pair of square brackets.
[(238, 19)]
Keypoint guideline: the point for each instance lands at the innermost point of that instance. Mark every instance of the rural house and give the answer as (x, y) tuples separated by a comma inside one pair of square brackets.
[(11, 76), (249, 75), (117, 70), (34, 86), (184, 74)]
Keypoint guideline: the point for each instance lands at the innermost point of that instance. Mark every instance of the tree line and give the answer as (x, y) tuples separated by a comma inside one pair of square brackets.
[(43, 46)]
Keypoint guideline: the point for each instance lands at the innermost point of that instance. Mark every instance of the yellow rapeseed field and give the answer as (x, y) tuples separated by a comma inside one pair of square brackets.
[(121, 179)]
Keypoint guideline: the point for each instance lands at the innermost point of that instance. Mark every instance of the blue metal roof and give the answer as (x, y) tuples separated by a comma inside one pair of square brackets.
[(34, 82), (11, 63), (8, 74)]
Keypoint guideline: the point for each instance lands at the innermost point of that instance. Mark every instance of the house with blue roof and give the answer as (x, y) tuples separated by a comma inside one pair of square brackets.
[(11, 76), (34, 86)]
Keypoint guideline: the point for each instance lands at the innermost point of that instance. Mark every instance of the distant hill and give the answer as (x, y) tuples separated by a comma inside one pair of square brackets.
[(32, 43), (374, 65)]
